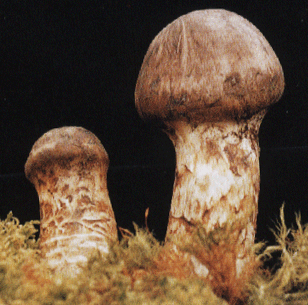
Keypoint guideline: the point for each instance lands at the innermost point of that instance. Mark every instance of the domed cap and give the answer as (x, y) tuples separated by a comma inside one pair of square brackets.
[(209, 65), (66, 147)]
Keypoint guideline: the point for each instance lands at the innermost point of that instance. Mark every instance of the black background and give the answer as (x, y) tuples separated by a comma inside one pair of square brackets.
[(76, 63)]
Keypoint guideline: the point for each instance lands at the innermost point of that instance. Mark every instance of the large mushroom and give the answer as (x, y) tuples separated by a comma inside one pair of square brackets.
[(208, 79), (68, 167)]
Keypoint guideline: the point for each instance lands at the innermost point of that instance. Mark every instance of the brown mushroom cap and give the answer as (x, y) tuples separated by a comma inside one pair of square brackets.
[(65, 147), (210, 65)]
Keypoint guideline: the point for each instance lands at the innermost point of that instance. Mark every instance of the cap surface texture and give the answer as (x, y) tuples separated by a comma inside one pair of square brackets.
[(208, 65)]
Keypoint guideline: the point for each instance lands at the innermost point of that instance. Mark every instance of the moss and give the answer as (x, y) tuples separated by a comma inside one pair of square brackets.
[(218, 251), (289, 283), (140, 270)]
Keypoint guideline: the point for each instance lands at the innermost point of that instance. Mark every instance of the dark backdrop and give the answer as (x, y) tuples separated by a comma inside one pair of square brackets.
[(76, 63)]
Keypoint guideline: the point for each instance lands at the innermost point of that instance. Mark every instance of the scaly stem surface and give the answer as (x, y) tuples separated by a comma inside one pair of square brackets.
[(217, 179), (76, 216)]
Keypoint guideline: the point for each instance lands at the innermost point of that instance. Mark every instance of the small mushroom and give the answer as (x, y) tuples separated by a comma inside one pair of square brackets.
[(208, 79), (68, 167)]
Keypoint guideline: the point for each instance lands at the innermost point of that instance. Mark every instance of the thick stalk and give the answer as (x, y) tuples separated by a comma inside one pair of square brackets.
[(217, 179), (76, 214)]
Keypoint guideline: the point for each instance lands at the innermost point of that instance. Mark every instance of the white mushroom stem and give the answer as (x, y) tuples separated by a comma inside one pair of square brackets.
[(217, 179), (68, 167), (76, 218)]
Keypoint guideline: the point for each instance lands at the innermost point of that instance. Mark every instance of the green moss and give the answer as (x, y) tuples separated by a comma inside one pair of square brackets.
[(140, 270)]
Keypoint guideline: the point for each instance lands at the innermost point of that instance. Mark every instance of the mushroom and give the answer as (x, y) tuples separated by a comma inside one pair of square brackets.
[(207, 80), (68, 167)]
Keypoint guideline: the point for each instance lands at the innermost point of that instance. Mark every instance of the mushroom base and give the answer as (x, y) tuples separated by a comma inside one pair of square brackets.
[(217, 182)]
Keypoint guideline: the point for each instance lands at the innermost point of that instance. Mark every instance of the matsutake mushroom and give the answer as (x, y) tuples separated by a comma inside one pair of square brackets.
[(68, 167), (207, 80)]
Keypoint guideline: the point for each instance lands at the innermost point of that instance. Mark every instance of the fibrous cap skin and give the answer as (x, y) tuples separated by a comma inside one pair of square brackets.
[(64, 146), (209, 65)]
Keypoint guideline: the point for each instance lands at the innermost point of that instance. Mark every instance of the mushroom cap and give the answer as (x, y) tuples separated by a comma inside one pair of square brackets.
[(66, 147), (209, 65)]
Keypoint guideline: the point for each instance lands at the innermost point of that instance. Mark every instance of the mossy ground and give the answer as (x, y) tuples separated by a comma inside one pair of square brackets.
[(140, 270)]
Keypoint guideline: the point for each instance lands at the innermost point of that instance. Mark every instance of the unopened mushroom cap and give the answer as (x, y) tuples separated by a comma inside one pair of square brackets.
[(208, 65), (65, 147)]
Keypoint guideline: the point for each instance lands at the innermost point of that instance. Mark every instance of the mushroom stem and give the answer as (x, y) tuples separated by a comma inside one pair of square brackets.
[(68, 167), (217, 179)]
